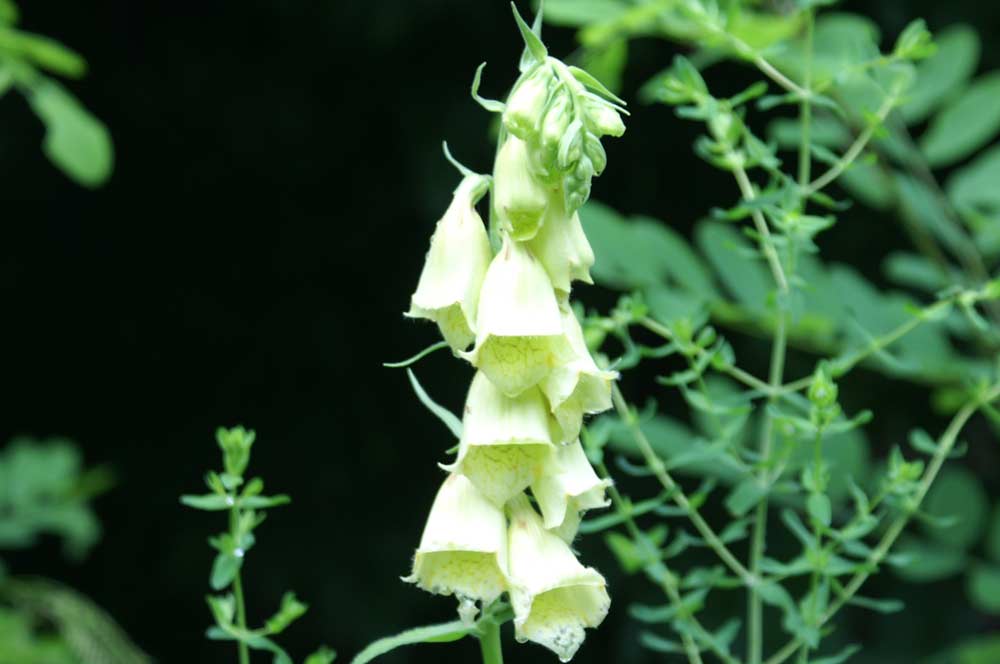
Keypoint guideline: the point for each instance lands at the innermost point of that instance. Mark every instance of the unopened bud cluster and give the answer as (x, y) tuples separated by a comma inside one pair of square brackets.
[(507, 312)]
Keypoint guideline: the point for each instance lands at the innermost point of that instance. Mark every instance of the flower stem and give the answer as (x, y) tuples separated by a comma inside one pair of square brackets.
[(489, 642), (241, 609)]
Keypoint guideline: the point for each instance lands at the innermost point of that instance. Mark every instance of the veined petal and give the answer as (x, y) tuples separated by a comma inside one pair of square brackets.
[(554, 597), (567, 487), (463, 549), (562, 247), (456, 264), (506, 441), (577, 386), (519, 328), (519, 197)]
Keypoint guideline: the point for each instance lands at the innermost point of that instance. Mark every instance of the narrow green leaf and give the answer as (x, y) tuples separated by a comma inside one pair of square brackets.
[(491, 105), (291, 609), (440, 633), (966, 124), (322, 656), (450, 420), (532, 42), (44, 52), (416, 358), (208, 502)]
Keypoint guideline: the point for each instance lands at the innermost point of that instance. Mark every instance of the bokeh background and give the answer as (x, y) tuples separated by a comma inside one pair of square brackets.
[(278, 174)]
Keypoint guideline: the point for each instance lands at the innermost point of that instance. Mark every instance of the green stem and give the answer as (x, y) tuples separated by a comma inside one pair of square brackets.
[(767, 244), (947, 442), (241, 610), (489, 642), (854, 151), (805, 111), (655, 464)]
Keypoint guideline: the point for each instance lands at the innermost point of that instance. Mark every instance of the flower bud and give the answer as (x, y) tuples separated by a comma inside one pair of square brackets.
[(527, 103), (506, 441), (519, 197), (517, 323), (554, 597), (562, 248), (577, 386), (568, 486), (448, 290), (602, 118), (463, 549)]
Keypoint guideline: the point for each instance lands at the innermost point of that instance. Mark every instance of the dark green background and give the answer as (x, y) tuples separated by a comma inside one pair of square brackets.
[(278, 175)]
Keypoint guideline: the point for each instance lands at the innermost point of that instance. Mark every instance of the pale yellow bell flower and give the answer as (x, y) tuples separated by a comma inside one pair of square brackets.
[(456, 264), (568, 487), (562, 247), (519, 198), (554, 597), (506, 441), (577, 386), (518, 326), (463, 550), (526, 104)]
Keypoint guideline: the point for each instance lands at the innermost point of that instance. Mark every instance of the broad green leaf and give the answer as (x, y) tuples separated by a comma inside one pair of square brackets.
[(926, 561), (914, 271), (958, 494), (870, 184), (975, 185), (641, 252), (224, 569), (731, 254), (921, 206), (440, 633), (657, 643), (966, 124), (75, 140), (823, 130), (944, 73), (819, 507), (982, 585), (579, 13), (745, 496), (607, 63), (993, 536)]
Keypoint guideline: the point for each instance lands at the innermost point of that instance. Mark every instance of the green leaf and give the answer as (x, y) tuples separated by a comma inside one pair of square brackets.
[(959, 494), (43, 51), (607, 62), (224, 569), (839, 658), (733, 259), (966, 124), (993, 537), (75, 140), (658, 643), (926, 562), (440, 633), (944, 73), (974, 185), (914, 271), (532, 43), (450, 420), (416, 358), (819, 507), (983, 587), (322, 656), (745, 496), (208, 502), (291, 609), (870, 184), (580, 13)]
